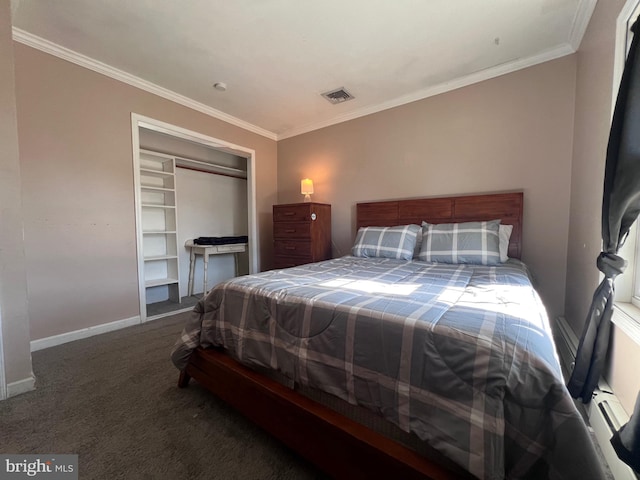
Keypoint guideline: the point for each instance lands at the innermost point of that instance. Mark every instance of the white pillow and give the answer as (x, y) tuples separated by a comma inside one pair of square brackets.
[(504, 233)]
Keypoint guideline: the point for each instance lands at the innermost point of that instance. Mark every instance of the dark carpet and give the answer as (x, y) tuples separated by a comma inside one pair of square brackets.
[(113, 400)]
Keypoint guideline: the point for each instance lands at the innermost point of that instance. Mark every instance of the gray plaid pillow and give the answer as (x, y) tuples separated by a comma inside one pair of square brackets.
[(386, 242), (470, 242)]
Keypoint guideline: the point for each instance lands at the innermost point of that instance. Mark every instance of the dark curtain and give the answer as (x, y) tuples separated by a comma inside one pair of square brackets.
[(620, 208)]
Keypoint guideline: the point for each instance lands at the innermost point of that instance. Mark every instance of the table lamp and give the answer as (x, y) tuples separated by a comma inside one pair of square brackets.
[(306, 188)]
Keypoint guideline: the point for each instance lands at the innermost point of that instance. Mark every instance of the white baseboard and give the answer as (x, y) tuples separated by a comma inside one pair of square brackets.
[(606, 416), (167, 314), (21, 386), (566, 345), (55, 340)]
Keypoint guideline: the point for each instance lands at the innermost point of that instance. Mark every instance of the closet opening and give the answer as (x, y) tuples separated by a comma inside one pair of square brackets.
[(189, 186)]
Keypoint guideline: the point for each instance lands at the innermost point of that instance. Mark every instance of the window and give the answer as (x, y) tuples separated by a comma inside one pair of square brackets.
[(627, 312), (632, 18), (634, 262)]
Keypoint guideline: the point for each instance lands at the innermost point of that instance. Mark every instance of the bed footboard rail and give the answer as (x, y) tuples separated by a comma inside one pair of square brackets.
[(338, 445)]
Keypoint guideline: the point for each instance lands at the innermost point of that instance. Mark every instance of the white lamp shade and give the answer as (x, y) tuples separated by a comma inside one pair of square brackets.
[(306, 186)]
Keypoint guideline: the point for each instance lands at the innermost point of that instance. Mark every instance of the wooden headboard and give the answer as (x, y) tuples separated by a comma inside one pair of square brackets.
[(467, 208)]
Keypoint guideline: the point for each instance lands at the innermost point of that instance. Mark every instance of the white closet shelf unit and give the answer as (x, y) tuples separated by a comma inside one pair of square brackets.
[(158, 218)]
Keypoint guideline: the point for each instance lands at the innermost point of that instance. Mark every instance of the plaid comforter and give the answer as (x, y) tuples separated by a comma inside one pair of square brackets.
[(460, 355)]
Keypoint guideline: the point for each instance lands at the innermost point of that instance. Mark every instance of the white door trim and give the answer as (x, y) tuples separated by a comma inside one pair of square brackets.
[(138, 121)]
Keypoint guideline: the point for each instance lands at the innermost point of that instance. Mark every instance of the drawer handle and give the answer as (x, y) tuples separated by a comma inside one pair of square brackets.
[(290, 230), (289, 214)]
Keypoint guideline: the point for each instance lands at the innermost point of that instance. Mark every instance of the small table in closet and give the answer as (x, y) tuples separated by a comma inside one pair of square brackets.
[(205, 251)]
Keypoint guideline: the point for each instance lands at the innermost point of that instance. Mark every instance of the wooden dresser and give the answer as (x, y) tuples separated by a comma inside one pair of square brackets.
[(301, 233)]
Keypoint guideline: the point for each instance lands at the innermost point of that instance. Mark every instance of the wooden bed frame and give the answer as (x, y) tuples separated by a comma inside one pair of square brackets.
[(336, 444), (469, 208)]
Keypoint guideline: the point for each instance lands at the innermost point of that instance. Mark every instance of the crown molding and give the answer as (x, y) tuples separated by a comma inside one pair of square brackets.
[(444, 87), (59, 51), (581, 22)]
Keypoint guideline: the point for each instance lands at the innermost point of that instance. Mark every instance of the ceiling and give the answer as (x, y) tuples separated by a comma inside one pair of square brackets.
[(277, 56)]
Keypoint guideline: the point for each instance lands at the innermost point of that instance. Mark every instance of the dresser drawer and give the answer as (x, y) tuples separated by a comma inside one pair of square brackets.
[(292, 230), (292, 248), (292, 213), (285, 261)]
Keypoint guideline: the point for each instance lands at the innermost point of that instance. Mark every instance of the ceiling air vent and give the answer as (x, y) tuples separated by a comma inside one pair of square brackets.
[(338, 96)]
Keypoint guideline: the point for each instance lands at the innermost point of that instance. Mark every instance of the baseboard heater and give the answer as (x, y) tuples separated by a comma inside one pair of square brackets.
[(605, 413)]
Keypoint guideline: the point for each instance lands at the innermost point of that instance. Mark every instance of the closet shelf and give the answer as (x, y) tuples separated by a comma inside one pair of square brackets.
[(200, 165), (156, 197), (211, 167), (155, 173), (153, 258), (160, 281), (148, 188), (157, 205)]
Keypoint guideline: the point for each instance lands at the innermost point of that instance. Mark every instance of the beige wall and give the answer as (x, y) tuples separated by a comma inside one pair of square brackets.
[(594, 93), (14, 319), (510, 133), (594, 90), (77, 180)]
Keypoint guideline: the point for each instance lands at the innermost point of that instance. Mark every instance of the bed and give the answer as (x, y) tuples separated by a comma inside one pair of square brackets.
[(447, 342)]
